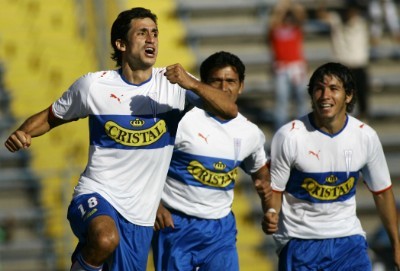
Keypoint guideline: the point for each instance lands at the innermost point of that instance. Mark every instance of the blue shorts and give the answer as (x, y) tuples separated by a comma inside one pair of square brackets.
[(344, 254), (196, 244), (134, 245)]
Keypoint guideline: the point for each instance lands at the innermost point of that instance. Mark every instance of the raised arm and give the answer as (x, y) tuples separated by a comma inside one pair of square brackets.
[(386, 207), (36, 125), (281, 9), (215, 100)]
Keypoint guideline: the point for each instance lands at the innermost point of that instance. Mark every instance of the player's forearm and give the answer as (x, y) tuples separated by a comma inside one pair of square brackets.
[(216, 101), (262, 185), (386, 207), (275, 202), (37, 124)]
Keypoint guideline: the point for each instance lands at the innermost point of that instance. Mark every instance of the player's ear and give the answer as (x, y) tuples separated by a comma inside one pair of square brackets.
[(241, 88), (120, 44), (349, 97)]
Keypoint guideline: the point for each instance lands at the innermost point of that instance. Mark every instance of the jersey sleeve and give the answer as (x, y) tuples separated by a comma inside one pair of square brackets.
[(376, 172), (258, 157), (73, 102), (281, 160)]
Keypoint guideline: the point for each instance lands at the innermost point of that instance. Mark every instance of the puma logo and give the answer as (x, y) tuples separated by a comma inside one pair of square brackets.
[(203, 137), (115, 97), (293, 126), (314, 153)]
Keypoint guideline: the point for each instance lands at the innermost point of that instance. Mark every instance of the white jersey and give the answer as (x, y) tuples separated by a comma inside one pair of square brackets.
[(318, 173), (204, 166), (132, 132)]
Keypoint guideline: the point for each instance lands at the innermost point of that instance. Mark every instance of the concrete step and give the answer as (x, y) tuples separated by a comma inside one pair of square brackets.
[(30, 216), (18, 198), (14, 160), (29, 255), (18, 178)]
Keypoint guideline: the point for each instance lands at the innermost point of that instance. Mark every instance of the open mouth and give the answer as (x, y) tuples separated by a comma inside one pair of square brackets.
[(150, 52)]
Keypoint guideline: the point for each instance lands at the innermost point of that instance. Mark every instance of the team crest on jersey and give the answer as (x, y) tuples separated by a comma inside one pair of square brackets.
[(137, 122), (331, 179), (135, 138), (212, 178), (219, 166), (327, 192)]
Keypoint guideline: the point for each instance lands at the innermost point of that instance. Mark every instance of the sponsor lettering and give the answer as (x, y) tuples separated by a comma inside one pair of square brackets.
[(211, 178), (327, 192), (135, 138)]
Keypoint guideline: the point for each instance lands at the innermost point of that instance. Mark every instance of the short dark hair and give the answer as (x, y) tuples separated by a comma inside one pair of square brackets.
[(221, 60), (341, 72), (121, 26)]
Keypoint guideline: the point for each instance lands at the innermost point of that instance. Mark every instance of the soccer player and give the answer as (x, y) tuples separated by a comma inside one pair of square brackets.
[(316, 162), (197, 228), (133, 114)]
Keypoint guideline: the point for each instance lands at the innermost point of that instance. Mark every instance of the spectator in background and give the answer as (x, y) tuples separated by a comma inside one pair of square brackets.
[(285, 39), (380, 12), (350, 45)]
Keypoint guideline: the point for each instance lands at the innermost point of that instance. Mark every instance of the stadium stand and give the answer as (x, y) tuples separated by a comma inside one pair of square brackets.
[(23, 244), (43, 53)]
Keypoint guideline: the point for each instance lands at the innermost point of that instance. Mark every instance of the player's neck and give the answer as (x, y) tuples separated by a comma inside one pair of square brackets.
[(330, 125), (136, 76)]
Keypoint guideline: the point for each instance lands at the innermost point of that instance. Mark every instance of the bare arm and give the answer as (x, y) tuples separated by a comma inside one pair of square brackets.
[(270, 201), (36, 125), (271, 217), (284, 6), (216, 101), (386, 207), (262, 184)]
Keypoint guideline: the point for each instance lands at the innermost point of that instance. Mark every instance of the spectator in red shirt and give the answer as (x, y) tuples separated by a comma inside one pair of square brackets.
[(285, 39)]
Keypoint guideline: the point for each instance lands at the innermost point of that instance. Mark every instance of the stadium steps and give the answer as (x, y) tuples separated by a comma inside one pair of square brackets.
[(57, 54), (23, 246)]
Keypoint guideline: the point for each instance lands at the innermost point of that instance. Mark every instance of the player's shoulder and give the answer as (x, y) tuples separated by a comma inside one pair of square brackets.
[(296, 126), (194, 115), (356, 125), (158, 73), (195, 111), (100, 75), (243, 120)]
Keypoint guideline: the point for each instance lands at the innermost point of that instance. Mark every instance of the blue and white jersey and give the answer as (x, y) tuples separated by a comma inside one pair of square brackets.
[(318, 173), (132, 133), (204, 166)]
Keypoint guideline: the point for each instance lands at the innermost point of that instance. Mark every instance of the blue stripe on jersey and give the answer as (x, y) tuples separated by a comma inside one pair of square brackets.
[(322, 187), (203, 171), (134, 132)]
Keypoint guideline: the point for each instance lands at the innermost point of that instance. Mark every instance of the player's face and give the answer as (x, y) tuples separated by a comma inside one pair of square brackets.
[(329, 99), (226, 79), (141, 49)]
